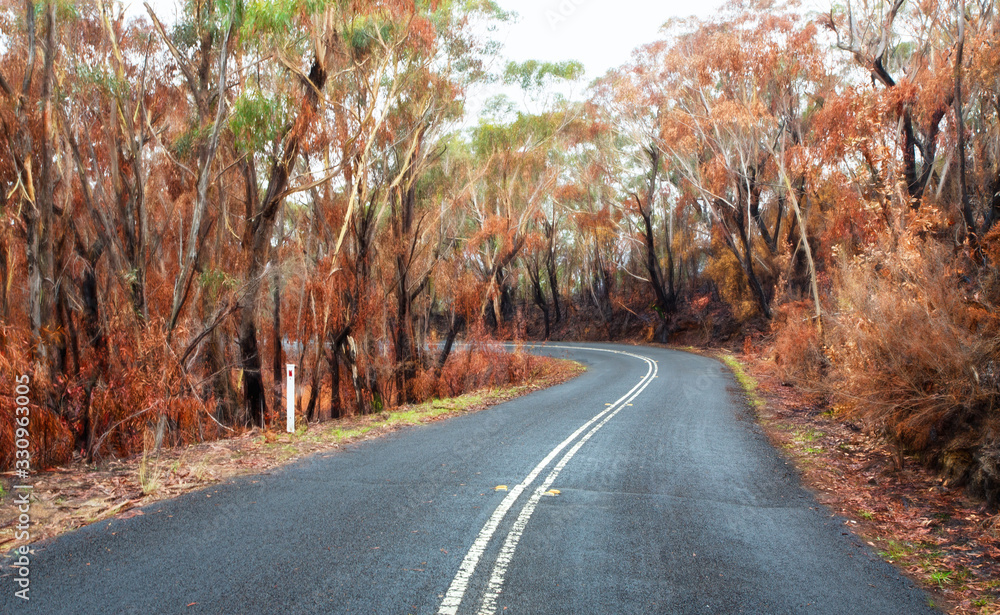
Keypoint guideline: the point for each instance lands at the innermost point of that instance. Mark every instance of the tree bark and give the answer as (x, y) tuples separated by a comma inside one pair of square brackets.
[(538, 295), (256, 241), (550, 268), (277, 364), (665, 300), (971, 230)]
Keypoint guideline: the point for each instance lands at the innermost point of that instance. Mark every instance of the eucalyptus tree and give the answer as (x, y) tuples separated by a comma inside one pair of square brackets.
[(899, 46), (737, 86), (634, 99), (518, 152)]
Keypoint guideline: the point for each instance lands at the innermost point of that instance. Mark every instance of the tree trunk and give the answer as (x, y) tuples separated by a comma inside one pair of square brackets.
[(253, 383), (457, 323), (336, 406), (256, 240), (402, 230), (971, 230), (539, 297), (199, 90), (550, 267), (277, 364), (755, 286), (314, 391)]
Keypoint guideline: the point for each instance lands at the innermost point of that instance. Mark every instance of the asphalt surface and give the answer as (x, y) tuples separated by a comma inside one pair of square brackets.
[(642, 486)]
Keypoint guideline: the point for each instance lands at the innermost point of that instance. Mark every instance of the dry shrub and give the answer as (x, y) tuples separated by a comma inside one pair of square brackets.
[(725, 270), (424, 385), (13, 362), (50, 439), (918, 359), (798, 350), (480, 365), (6, 433)]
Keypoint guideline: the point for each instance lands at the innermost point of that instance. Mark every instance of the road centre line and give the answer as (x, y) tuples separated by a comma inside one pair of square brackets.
[(496, 582), (459, 585)]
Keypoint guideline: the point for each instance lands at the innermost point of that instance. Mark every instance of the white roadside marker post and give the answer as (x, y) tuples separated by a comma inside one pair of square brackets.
[(290, 398)]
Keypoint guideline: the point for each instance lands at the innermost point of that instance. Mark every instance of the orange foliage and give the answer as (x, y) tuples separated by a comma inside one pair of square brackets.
[(920, 362)]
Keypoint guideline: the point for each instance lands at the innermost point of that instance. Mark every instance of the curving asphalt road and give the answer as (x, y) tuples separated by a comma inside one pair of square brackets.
[(642, 486)]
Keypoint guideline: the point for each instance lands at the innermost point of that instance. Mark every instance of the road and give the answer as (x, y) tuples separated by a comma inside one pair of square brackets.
[(642, 486)]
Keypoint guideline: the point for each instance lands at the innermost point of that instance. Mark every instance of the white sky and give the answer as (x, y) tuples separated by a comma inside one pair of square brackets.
[(599, 33)]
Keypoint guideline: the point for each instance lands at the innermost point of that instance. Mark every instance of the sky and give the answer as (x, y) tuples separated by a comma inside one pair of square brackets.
[(599, 33)]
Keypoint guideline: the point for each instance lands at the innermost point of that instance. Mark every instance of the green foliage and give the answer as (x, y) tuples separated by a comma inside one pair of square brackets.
[(215, 280), (66, 10), (95, 76), (185, 144), (508, 130), (275, 16), (534, 75), (499, 108), (364, 34), (193, 24), (257, 119)]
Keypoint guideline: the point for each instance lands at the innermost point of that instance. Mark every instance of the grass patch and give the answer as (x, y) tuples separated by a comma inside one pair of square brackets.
[(897, 550), (339, 435), (808, 436), (942, 577), (150, 474), (745, 380)]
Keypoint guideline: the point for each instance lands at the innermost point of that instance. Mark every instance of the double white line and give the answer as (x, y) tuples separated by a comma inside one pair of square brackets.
[(459, 585)]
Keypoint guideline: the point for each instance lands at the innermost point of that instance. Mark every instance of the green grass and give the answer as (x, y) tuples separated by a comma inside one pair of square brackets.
[(896, 550), (942, 577), (346, 434), (808, 436), (745, 380)]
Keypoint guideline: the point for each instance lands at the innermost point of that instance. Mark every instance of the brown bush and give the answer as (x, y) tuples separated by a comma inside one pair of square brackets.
[(797, 348), (480, 364), (918, 359), (725, 270)]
